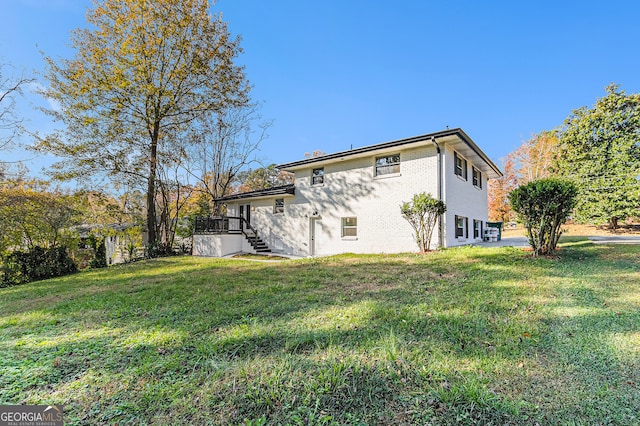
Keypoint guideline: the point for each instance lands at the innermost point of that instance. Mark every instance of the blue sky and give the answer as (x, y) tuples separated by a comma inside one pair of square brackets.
[(336, 74)]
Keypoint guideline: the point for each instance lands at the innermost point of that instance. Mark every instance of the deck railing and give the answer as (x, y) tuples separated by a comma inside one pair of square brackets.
[(223, 225), (218, 225)]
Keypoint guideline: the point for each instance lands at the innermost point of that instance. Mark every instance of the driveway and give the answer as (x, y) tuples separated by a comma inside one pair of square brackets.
[(601, 239), (616, 239), (505, 242)]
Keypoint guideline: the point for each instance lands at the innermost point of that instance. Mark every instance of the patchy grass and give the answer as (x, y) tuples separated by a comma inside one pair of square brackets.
[(467, 335), (259, 256)]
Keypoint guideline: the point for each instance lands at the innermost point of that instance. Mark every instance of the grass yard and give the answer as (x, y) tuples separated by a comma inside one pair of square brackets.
[(468, 335)]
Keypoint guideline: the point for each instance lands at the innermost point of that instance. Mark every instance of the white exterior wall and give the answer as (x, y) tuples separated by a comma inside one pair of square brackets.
[(271, 227), (350, 189), (463, 199), (217, 245)]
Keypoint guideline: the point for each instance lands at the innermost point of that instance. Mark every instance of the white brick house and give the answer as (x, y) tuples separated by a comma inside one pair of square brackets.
[(349, 202)]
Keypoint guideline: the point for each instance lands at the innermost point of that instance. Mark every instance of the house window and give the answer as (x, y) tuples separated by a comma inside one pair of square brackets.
[(278, 206), (388, 165), (462, 227), (477, 177), (349, 227), (460, 166), (317, 176), (477, 229)]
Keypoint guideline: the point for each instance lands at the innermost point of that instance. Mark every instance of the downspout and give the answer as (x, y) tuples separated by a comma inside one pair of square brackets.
[(440, 223)]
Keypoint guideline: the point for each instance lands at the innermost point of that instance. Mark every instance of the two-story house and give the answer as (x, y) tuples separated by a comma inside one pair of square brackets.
[(349, 201)]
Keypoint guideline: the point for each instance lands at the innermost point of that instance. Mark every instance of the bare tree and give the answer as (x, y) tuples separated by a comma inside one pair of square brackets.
[(173, 194), (10, 124), (222, 146)]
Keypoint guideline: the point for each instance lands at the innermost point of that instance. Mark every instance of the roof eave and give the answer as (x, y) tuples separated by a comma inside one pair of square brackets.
[(352, 153), (263, 193)]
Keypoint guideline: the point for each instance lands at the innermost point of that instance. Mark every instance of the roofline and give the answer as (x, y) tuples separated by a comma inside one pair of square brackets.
[(278, 190), (478, 151), (392, 144)]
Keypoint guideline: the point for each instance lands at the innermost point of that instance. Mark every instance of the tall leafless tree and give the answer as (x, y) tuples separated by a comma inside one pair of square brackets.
[(222, 146), (10, 123)]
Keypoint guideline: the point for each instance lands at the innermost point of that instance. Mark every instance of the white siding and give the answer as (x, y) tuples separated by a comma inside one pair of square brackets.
[(462, 199), (278, 230), (350, 189)]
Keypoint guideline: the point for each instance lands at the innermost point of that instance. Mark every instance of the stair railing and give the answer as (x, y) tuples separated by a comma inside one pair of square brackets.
[(248, 225)]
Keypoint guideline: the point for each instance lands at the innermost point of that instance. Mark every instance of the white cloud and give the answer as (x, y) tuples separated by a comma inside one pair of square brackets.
[(36, 88)]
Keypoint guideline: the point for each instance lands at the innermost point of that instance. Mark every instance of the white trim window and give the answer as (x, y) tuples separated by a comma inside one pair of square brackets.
[(349, 227), (460, 165), (317, 176), (462, 227), (278, 206), (387, 165), (476, 177)]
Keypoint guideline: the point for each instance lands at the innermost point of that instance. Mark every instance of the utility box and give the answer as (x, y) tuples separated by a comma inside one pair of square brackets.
[(497, 225)]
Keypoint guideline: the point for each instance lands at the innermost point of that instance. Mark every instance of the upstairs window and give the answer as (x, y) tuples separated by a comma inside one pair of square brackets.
[(460, 166), (388, 165), (477, 177), (278, 206), (317, 176)]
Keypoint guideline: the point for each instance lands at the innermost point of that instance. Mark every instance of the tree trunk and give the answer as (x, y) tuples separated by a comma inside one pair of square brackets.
[(152, 242), (613, 223)]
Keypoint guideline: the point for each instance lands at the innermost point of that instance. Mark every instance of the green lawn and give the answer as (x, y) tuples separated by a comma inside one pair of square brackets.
[(469, 335)]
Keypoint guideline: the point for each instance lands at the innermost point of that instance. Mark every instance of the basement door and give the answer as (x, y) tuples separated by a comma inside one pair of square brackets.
[(314, 234)]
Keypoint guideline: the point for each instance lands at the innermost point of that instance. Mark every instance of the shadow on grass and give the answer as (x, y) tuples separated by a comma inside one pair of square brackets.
[(353, 339)]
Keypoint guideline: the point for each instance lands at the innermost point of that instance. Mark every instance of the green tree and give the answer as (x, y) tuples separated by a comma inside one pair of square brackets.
[(143, 74), (99, 252), (544, 206), (35, 216), (600, 153), (422, 213)]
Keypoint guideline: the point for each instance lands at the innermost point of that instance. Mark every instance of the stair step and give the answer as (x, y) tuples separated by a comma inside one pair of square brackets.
[(257, 244)]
